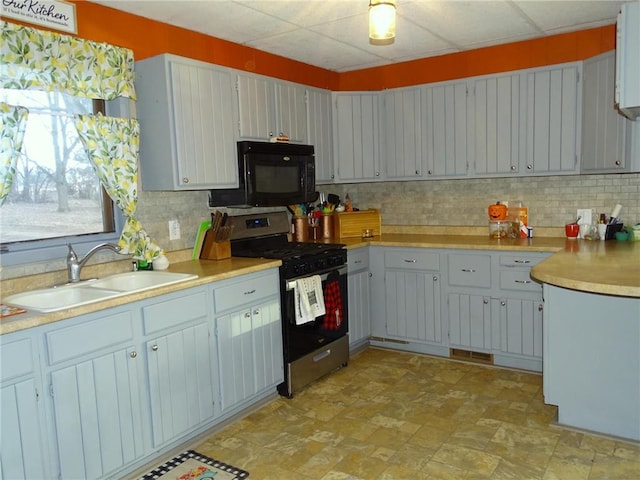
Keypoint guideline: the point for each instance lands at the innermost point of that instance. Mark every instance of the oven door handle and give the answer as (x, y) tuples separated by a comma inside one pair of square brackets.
[(291, 284)]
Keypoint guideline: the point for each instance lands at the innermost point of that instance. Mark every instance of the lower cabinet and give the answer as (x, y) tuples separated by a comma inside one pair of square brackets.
[(180, 354), (101, 395), (248, 332), (520, 326), (23, 452), (358, 286), (95, 387)]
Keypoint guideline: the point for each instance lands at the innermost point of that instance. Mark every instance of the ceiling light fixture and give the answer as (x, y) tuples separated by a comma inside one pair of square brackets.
[(382, 22)]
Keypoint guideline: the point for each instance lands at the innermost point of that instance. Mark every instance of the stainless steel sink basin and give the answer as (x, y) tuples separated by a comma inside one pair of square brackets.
[(77, 294)]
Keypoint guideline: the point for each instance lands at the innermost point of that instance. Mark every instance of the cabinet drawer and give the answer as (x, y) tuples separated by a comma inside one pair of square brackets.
[(358, 259), (176, 311), (519, 280), (245, 291), (89, 336), (16, 358), (520, 260), (470, 270), (412, 259)]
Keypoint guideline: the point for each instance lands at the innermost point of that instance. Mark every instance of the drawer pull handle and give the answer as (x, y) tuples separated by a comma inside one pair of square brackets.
[(410, 261), (469, 270), (250, 292), (358, 261), (154, 348), (322, 355), (133, 354), (522, 261), (522, 281)]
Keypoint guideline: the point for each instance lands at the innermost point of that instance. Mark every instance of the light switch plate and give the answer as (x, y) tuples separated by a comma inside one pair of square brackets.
[(586, 215), (174, 230)]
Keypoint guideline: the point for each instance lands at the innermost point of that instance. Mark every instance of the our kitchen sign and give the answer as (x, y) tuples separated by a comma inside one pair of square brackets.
[(47, 13)]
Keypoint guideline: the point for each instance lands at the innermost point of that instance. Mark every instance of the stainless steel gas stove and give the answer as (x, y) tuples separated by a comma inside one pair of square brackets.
[(317, 347)]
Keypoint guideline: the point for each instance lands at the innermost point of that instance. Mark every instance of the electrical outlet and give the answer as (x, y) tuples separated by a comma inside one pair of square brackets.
[(174, 230)]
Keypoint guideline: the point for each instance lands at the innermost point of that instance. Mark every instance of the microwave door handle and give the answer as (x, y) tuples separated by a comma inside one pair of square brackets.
[(341, 271)]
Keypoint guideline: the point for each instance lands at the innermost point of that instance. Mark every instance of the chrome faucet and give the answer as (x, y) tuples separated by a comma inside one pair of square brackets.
[(74, 265)]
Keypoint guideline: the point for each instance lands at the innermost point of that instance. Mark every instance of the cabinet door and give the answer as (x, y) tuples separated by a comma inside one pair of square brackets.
[(402, 133), (291, 108), (205, 147), (553, 101), (180, 381), (256, 111), (470, 322), (446, 121), (521, 326), (498, 104), (604, 130), (321, 133), (359, 300), (250, 352), (188, 115), (22, 454), (413, 305), (356, 133), (97, 411)]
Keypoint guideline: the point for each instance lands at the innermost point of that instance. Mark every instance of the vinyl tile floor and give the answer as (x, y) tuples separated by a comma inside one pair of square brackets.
[(395, 415)]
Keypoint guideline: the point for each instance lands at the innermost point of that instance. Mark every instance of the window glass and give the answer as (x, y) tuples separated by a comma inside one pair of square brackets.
[(56, 193)]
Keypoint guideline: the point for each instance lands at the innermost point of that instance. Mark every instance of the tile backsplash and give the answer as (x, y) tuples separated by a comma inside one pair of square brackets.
[(552, 202)]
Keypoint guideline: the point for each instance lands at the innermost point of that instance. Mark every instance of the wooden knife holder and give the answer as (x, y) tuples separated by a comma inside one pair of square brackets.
[(212, 250)]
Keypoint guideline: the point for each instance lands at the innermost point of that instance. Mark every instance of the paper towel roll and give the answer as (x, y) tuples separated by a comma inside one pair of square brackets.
[(616, 212)]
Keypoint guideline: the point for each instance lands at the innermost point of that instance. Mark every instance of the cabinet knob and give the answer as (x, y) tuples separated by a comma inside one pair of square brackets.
[(618, 163), (503, 303), (540, 307), (270, 134), (154, 348), (370, 274), (332, 177), (435, 278), (485, 300), (247, 314), (256, 311), (185, 180), (417, 172), (513, 168), (133, 354), (529, 167), (377, 174), (429, 172)]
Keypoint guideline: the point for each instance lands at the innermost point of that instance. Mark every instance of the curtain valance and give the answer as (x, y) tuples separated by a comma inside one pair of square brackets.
[(32, 59)]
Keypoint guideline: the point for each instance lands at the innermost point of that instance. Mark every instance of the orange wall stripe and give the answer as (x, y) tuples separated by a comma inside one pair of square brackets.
[(148, 38)]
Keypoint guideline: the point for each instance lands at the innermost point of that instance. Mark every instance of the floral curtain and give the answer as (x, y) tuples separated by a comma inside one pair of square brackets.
[(14, 123), (32, 59), (112, 145)]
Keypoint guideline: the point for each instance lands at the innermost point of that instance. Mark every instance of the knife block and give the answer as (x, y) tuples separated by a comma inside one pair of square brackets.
[(212, 250)]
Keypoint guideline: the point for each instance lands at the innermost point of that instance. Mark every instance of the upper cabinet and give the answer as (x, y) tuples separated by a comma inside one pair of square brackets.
[(356, 135), (269, 108), (187, 113), (627, 92), (402, 136), (553, 119), (604, 130), (446, 115), (321, 133), (498, 126)]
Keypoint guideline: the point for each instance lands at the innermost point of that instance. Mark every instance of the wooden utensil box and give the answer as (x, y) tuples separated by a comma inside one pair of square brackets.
[(351, 224)]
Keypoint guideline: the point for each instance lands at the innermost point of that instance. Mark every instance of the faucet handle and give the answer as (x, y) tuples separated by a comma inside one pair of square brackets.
[(71, 255)]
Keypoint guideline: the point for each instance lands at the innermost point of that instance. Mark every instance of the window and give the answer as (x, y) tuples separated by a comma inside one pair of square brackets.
[(56, 197)]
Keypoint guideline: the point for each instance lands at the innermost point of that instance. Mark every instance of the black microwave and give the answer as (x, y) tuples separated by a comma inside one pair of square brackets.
[(270, 174)]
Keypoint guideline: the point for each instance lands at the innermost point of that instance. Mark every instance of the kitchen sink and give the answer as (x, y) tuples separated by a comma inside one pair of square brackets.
[(90, 291)]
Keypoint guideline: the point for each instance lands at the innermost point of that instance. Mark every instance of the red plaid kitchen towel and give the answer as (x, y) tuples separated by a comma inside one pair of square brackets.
[(333, 306)]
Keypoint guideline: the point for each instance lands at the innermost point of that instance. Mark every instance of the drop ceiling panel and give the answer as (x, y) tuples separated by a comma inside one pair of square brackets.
[(333, 34)]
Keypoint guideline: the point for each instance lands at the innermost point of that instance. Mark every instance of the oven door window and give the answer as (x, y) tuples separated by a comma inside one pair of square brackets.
[(303, 339)]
